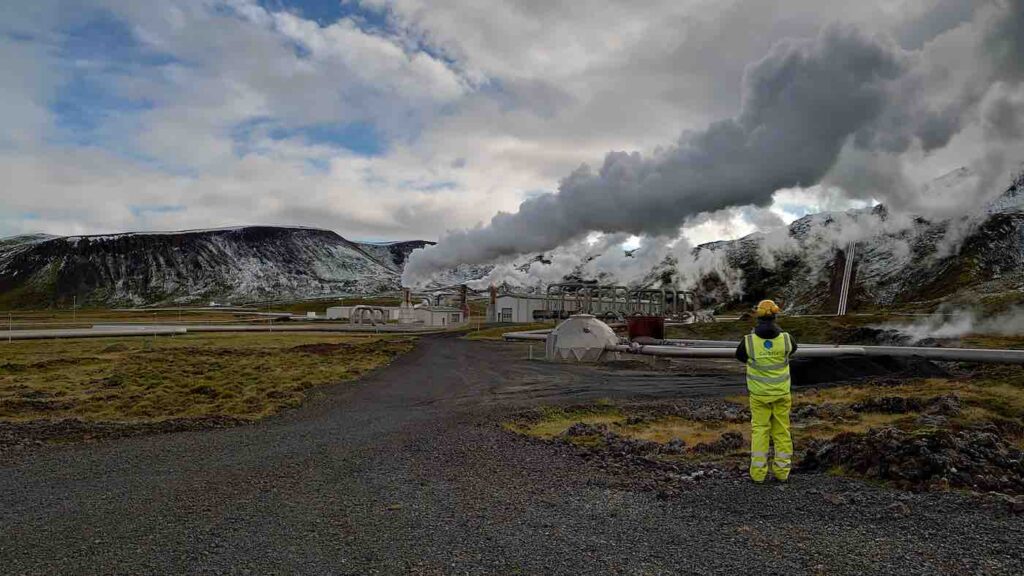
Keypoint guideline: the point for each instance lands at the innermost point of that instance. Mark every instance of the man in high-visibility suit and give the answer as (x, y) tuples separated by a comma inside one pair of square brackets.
[(766, 352)]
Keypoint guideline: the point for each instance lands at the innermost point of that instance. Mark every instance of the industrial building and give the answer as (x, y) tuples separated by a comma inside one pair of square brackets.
[(345, 313), (423, 313), (440, 316), (609, 302), (437, 316), (523, 308)]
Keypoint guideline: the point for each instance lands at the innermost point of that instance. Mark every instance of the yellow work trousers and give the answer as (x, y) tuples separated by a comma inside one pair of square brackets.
[(769, 423)]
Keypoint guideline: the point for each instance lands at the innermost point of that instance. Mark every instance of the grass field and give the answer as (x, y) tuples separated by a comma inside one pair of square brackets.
[(85, 318), (242, 376)]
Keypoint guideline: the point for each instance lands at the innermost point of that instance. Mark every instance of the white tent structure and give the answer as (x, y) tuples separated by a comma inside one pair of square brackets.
[(581, 338)]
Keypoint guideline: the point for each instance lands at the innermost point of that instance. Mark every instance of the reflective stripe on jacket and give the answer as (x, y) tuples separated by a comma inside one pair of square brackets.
[(768, 364)]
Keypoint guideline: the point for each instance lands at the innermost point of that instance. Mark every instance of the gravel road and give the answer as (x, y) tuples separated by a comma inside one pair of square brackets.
[(406, 472)]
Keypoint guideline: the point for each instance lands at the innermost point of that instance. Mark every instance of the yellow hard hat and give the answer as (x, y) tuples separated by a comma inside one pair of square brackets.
[(767, 308)]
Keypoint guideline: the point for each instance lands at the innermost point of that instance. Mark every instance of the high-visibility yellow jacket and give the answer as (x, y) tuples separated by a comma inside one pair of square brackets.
[(768, 364)]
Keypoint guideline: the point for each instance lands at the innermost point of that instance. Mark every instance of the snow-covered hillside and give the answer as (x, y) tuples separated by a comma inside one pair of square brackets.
[(898, 259), (235, 264)]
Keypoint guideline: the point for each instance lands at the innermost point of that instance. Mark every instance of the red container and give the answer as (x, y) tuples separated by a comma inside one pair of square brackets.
[(646, 326)]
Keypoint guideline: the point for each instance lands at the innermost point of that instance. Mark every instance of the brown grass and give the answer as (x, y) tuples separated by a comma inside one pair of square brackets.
[(145, 379), (997, 395)]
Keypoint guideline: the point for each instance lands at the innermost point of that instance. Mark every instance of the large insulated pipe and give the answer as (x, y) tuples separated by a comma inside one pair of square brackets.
[(49, 334), (844, 289), (541, 334), (945, 354), (697, 352)]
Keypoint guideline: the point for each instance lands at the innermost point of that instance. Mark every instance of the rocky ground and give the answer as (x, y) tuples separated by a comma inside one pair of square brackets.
[(409, 471)]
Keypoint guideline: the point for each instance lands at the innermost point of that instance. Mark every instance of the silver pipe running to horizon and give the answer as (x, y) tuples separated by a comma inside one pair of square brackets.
[(844, 291), (727, 349), (826, 351), (680, 352)]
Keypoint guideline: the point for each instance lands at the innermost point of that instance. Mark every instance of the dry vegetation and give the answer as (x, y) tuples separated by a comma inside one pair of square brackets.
[(85, 318), (994, 396), (194, 376)]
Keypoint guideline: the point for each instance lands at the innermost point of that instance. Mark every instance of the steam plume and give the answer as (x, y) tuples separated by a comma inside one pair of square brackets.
[(803, 103)]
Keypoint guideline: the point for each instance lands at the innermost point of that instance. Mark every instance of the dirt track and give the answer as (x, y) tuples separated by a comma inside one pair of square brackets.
[(407, 472)]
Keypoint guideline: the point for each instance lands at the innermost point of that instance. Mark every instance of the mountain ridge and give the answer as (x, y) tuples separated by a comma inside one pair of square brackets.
[(240, 263)]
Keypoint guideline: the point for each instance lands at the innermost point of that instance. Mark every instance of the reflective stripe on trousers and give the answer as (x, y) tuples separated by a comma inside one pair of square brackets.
[(769, 424)]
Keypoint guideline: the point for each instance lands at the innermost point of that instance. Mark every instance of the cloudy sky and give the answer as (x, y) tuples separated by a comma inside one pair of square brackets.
[(398, 119)]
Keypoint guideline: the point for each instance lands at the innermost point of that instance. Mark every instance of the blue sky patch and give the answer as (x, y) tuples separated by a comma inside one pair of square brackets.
[(798, 210), (146, 210), (96, 54), (358, 137), (438, 186), (107, 39), (327, 12)]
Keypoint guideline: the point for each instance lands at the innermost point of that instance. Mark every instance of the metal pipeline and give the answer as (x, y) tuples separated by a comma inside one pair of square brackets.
[(88, 333), (944, 354), (699, 352), (541, 334), (107, 332)]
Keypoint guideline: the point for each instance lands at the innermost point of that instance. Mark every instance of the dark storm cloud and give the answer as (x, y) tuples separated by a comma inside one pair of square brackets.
[(801, 103), (1004, 42), (941, 16)]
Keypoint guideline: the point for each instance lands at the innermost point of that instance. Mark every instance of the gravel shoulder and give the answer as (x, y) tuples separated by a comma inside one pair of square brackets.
[(409, 471)]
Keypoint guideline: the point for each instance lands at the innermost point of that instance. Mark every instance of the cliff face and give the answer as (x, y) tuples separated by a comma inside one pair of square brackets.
[(237, 264)]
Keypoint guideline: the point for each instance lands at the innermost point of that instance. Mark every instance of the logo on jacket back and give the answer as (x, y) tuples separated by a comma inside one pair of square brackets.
[(768, 344)]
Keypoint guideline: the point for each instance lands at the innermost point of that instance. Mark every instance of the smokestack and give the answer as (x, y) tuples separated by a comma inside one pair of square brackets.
[(464, 300)]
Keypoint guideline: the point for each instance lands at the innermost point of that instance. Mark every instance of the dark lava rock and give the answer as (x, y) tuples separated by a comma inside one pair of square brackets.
[(948, 405), (935, 459), (622, 446), (581, 429), (727, 442), (867, 335), (815, 371), (940, 405), (675, 446), (826, 411), (889, 405)]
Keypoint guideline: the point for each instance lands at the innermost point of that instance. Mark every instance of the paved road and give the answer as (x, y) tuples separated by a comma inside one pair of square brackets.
[(405, 472)]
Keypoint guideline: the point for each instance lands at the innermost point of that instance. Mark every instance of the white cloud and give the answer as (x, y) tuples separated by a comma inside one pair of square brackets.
[(480, 103)]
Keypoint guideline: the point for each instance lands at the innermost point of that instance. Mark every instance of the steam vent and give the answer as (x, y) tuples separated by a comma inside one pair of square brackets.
[(581, 338)]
